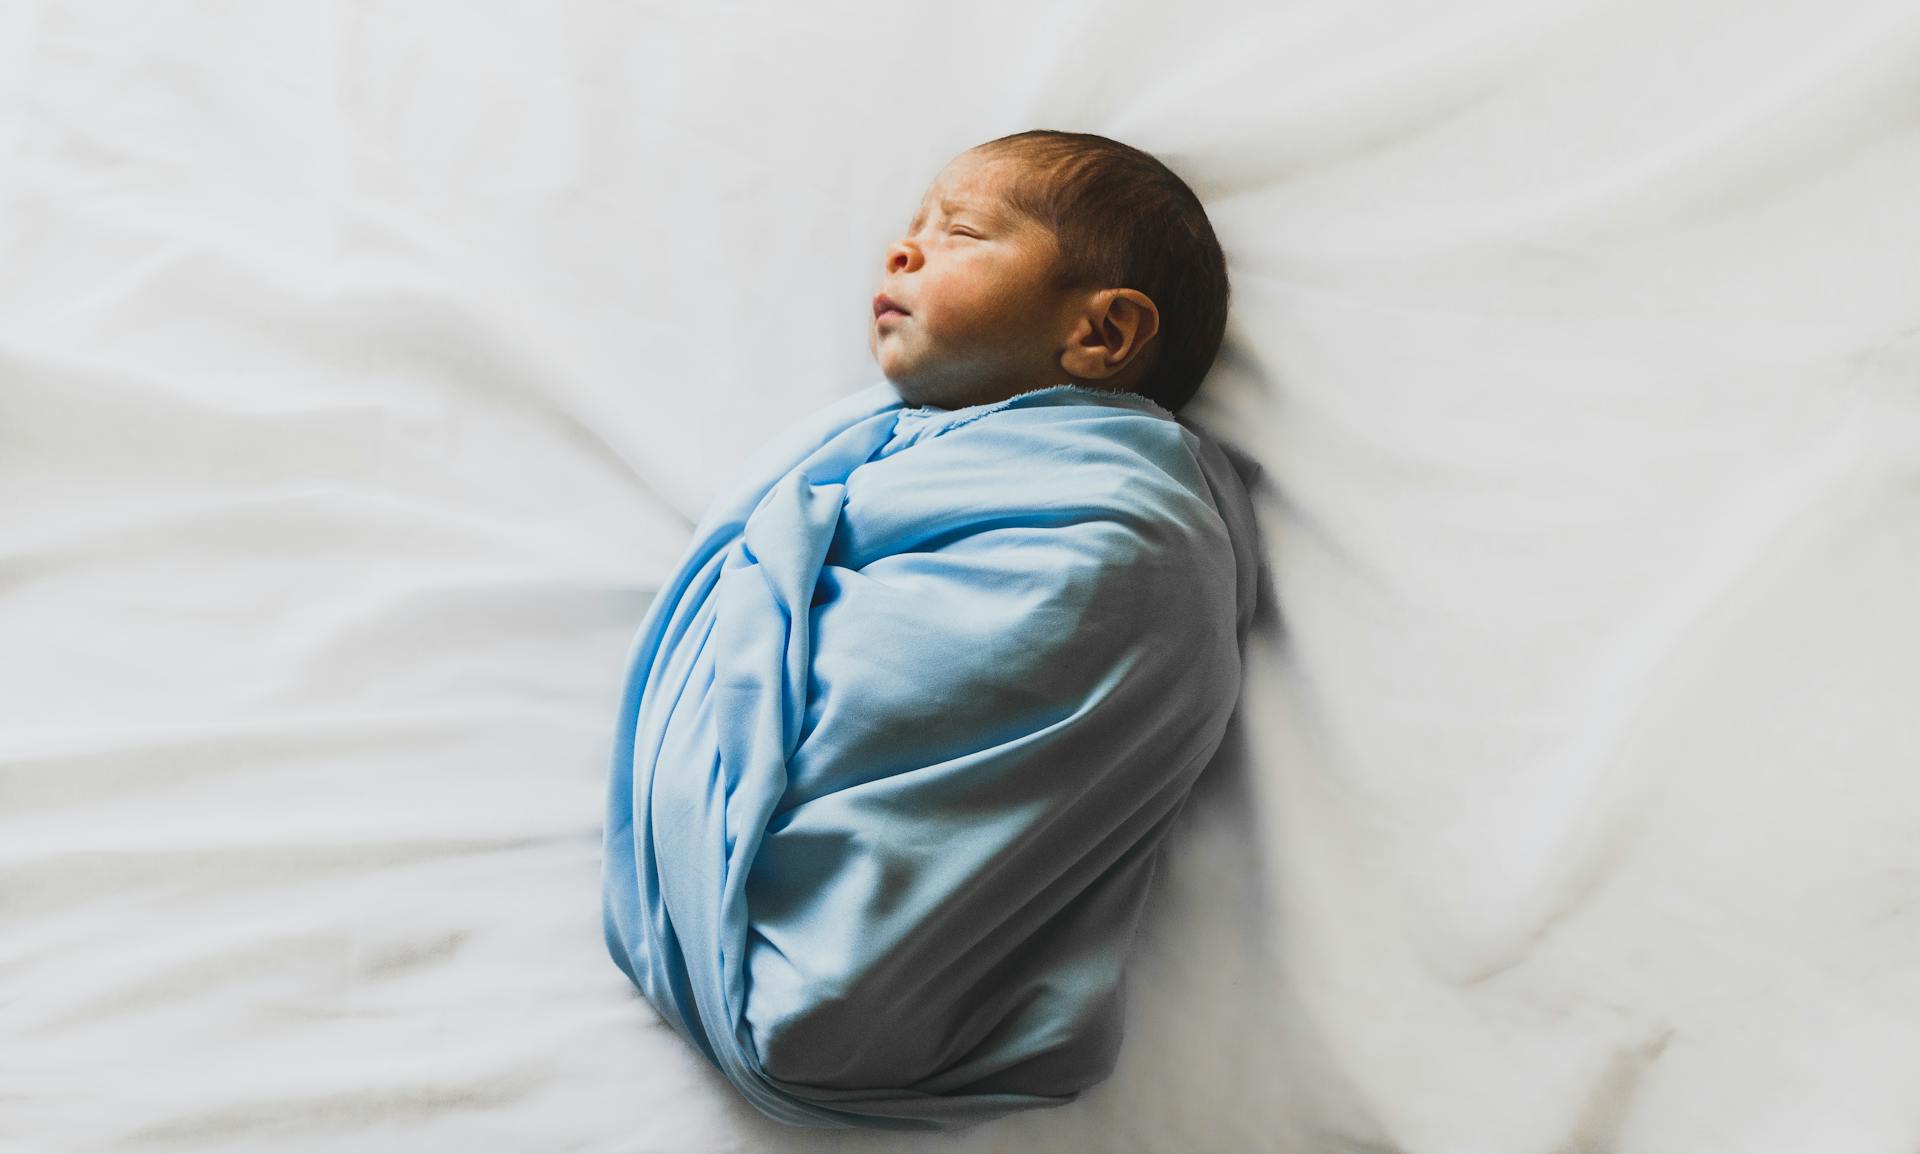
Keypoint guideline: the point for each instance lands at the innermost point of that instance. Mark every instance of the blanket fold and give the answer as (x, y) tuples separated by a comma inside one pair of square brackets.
[(901, 738)]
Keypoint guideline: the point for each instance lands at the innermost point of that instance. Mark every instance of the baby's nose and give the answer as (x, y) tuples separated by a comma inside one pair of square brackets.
[(900, 256)]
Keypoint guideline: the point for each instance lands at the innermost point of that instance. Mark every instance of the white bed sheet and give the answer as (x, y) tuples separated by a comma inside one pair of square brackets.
[(364, 367)]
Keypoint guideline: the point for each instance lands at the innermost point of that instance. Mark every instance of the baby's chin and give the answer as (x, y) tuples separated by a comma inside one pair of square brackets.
[(916, 388), (947, 383), (912, 394), (918, 391)]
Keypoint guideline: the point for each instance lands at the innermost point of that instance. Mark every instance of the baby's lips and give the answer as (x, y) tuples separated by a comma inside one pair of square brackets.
[(883, 303)]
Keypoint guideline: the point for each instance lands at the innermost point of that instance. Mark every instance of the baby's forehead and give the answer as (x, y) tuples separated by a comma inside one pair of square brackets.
[(982, 186), (955, 203)]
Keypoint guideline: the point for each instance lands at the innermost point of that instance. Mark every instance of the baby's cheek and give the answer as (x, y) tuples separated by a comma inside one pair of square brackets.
[(959, 322)]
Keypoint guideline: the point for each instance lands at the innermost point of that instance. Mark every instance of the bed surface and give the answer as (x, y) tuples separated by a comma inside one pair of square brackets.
[(364, 368)]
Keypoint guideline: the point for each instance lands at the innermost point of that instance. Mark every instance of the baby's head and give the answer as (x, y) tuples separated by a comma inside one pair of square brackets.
[(1048, 258)]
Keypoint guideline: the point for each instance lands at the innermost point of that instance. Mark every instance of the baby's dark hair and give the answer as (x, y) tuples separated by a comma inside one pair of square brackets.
[(1125, 220)]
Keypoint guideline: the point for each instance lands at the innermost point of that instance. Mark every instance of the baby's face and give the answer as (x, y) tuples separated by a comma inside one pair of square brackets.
[(980, 319)]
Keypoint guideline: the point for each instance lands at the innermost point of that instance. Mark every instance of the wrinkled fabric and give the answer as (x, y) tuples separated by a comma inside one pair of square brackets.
[(901, 738)]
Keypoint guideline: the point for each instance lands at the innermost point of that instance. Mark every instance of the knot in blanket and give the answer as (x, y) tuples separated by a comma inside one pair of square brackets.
[(901, 738)]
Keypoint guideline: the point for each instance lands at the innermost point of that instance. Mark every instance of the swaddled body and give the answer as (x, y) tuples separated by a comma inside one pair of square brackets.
[(902, 737), (905, 728)]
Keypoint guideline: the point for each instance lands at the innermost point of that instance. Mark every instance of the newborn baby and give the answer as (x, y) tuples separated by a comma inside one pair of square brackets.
[(1045, 258), (903, 732)]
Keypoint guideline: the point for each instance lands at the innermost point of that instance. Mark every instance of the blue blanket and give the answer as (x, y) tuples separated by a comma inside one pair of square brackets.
[(901, 738)]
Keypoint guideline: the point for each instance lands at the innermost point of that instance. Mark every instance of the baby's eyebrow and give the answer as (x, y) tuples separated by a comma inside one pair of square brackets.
[(950, 207)]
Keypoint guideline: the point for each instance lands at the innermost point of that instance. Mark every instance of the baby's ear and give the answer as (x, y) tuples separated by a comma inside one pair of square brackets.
[(1144, 313), (1126, 322), (1118, 325)]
